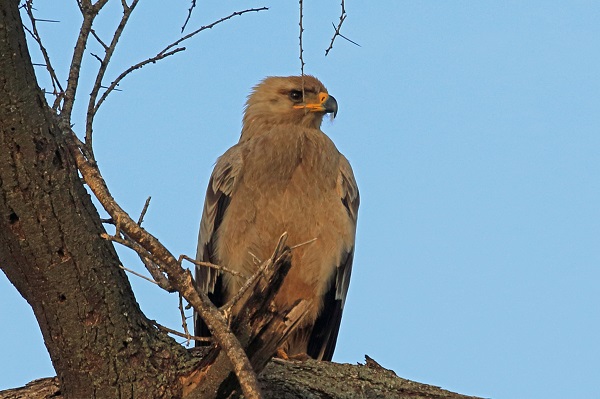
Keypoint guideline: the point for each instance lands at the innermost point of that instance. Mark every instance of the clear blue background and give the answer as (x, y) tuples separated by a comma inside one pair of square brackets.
[(474, 131)]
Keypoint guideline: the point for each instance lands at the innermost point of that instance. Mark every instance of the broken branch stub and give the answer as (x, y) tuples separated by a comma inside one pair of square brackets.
[(260, 327)]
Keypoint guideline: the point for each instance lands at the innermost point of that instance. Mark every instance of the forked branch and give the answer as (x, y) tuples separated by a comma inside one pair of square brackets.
[(337, 30)]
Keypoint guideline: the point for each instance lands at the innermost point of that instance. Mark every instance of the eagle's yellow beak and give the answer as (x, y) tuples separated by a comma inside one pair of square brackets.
[(326, 104)]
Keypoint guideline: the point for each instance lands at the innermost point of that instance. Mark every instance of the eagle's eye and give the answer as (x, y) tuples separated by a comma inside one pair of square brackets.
[(296, 96)]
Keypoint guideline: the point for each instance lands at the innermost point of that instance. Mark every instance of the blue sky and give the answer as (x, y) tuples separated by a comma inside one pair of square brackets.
[(473, 128)]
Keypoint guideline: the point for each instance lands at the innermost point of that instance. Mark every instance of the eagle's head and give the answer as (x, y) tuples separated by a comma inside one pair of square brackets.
[(302, 101)]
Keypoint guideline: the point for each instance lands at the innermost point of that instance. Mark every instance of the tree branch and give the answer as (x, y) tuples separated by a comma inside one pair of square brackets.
[(89, 12), (337, 30), (166, 52), (179, 278), (284, 379), (108, 53), (189, 15)]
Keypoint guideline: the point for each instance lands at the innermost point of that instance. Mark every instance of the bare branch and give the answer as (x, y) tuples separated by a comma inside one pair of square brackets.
[(93, 32), (150, 261), (211, 25), (155, 272), (179, 278), (189, 15), (166, 52), (109, 51), (177, 333), (301, 48), (183, 321), (132, 68), (138, 274), (89, 12), (211, 265), (144, 210), (337, 30), (58, 90)]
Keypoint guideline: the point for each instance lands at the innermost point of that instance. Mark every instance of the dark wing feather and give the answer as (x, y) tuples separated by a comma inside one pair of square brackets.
[(323, 338), (218, 197)]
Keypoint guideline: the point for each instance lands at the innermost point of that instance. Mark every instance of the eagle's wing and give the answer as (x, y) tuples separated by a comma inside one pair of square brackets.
[(218, 195), (322, 341)]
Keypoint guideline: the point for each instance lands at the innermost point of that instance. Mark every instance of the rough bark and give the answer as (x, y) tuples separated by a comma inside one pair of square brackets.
[(301, 380), (100, 343)]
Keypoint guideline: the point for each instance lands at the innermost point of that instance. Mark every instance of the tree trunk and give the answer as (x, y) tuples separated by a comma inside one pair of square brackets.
[(100, 343)]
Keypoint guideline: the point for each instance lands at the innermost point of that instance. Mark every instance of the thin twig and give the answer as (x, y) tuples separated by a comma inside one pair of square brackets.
[(144, 210), (166, 52), (47, 20), (301, 47), (154, 270), (351, 41), (150, 261), (177, 333), (93, 32), (183, 321), (211, 265), (211, 25), (132, 68), (104, 62), (138, 274), (58, 90), (89, 12), (189, 15), (337, 30)]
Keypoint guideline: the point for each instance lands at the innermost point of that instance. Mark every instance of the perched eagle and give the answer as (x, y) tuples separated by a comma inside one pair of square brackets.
[(284, 175)]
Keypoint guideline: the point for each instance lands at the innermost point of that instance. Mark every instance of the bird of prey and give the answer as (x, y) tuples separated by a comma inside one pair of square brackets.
[(284, 175)]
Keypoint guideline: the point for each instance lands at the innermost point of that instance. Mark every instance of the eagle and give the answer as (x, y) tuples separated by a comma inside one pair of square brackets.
[(284, 175)]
